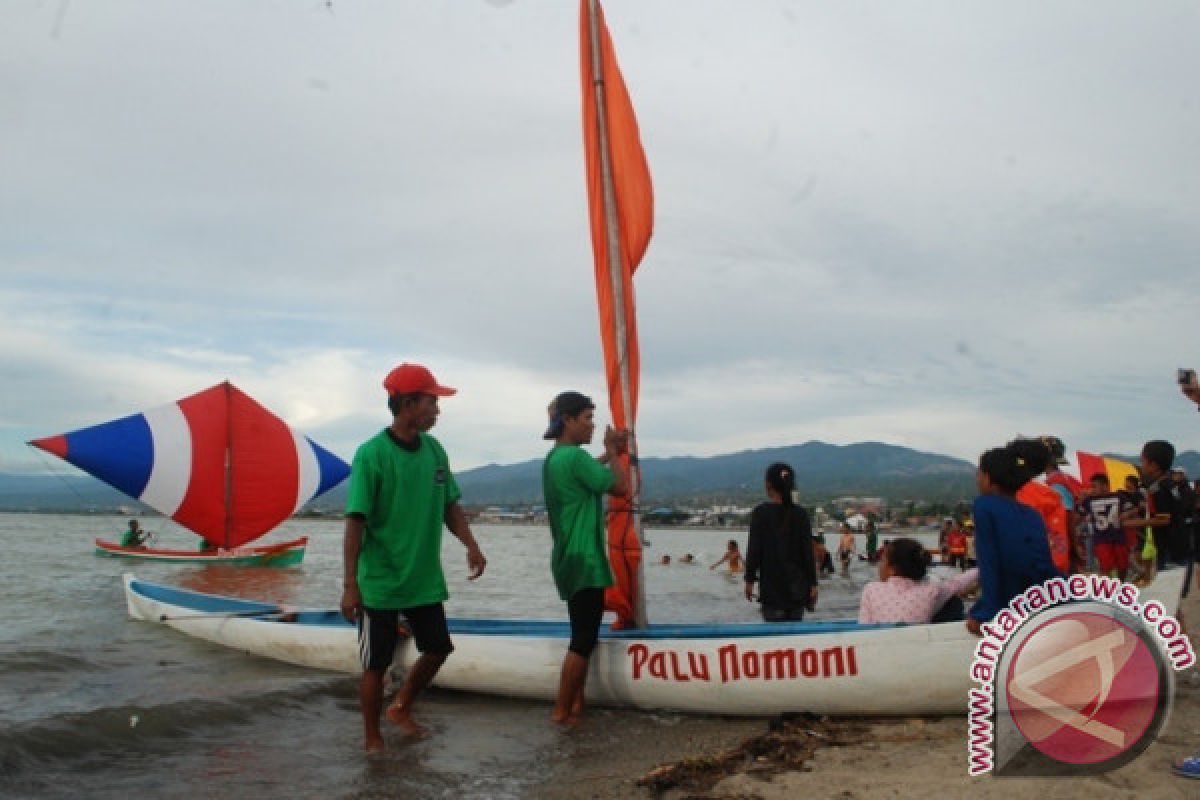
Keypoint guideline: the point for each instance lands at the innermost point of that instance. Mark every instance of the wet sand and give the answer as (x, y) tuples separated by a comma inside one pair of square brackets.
[(854, 759)]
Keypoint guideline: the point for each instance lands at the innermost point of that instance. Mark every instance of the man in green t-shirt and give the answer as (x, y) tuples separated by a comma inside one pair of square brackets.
[(401, 494), (134, 536), (574, 484)]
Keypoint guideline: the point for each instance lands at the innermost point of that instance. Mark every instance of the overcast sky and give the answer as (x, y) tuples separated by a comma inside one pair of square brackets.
[(934, 224)]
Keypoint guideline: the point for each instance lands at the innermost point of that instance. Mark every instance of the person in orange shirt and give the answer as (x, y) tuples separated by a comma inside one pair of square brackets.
[(1049, 504), (1072, 492), (956, 543)]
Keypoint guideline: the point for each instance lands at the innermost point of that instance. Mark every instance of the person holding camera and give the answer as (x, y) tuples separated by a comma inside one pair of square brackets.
[(1188, 767)]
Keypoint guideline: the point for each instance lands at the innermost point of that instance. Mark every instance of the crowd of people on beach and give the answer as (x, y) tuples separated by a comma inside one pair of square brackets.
[(402, 493), (1007, 544)]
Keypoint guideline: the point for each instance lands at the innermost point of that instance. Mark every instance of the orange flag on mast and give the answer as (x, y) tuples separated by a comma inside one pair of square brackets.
[(621, 226)]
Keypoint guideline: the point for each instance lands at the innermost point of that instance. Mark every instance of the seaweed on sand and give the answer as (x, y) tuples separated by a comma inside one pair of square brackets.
[(788, 743)]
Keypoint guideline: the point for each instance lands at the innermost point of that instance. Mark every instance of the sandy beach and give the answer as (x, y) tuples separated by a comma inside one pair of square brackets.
[(854, 759)]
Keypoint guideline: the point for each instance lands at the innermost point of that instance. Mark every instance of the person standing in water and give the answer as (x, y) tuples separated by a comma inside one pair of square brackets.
[(732, 557), (779, 554), (872, 542), (574, 484), (956, 543), (1010, 537), (401, 494), (846, 549), (821, 554)]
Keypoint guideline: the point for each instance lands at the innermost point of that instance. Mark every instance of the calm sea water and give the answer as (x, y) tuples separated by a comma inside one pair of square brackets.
[(94, 704)]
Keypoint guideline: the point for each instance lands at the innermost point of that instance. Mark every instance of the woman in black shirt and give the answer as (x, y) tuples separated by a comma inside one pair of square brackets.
[(779, 555)]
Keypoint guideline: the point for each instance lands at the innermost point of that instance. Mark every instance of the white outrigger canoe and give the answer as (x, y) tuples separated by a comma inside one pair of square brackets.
[(755, 669)]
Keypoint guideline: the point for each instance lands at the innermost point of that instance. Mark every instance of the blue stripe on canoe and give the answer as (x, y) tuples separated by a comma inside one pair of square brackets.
[(195, 601), (532, 628)]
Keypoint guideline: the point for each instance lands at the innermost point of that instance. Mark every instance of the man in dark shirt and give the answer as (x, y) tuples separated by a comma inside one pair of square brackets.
[(1187, 499), (1189, 767), (1167, 512)]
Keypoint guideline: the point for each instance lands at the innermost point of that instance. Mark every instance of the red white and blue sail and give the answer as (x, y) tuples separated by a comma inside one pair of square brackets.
[(217, 462)]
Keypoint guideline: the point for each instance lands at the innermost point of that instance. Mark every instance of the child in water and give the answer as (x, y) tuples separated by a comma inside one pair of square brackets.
[(732, 556), (1010, 538), (846, 549)]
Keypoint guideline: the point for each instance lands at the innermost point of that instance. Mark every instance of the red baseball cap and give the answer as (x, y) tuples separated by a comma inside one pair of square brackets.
[(414, 379)]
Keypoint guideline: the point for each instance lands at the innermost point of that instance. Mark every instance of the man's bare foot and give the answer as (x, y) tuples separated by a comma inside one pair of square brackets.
[(567, 719), (375, 745), (402, 718)]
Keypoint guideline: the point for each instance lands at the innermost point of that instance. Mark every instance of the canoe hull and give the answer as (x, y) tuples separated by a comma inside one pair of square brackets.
[(743, 670), (283, 554)]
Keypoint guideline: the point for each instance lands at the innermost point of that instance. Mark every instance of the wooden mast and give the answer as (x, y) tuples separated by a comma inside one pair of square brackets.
[(615, 270), (228, 387)]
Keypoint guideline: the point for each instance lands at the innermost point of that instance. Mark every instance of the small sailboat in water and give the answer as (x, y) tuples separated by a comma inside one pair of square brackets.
[(218, 463)]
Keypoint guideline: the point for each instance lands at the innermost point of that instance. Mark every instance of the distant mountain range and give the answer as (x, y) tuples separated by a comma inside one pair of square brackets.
[(822, 471)]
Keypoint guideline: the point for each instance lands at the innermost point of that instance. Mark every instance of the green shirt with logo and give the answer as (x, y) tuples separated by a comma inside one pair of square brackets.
[(574, 484), (402, 495)]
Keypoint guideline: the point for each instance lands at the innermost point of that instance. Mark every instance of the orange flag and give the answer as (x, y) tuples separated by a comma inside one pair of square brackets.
[(621, 220)]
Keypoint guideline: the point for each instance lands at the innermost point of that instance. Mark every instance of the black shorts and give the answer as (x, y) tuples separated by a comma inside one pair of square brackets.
[(378, 634), (772, 614), (586, 610)]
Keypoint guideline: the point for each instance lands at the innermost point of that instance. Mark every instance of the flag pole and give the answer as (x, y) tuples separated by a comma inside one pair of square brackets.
[(615, 270)]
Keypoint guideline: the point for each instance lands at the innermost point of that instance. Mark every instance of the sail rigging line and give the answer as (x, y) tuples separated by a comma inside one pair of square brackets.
[(62, 477)]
